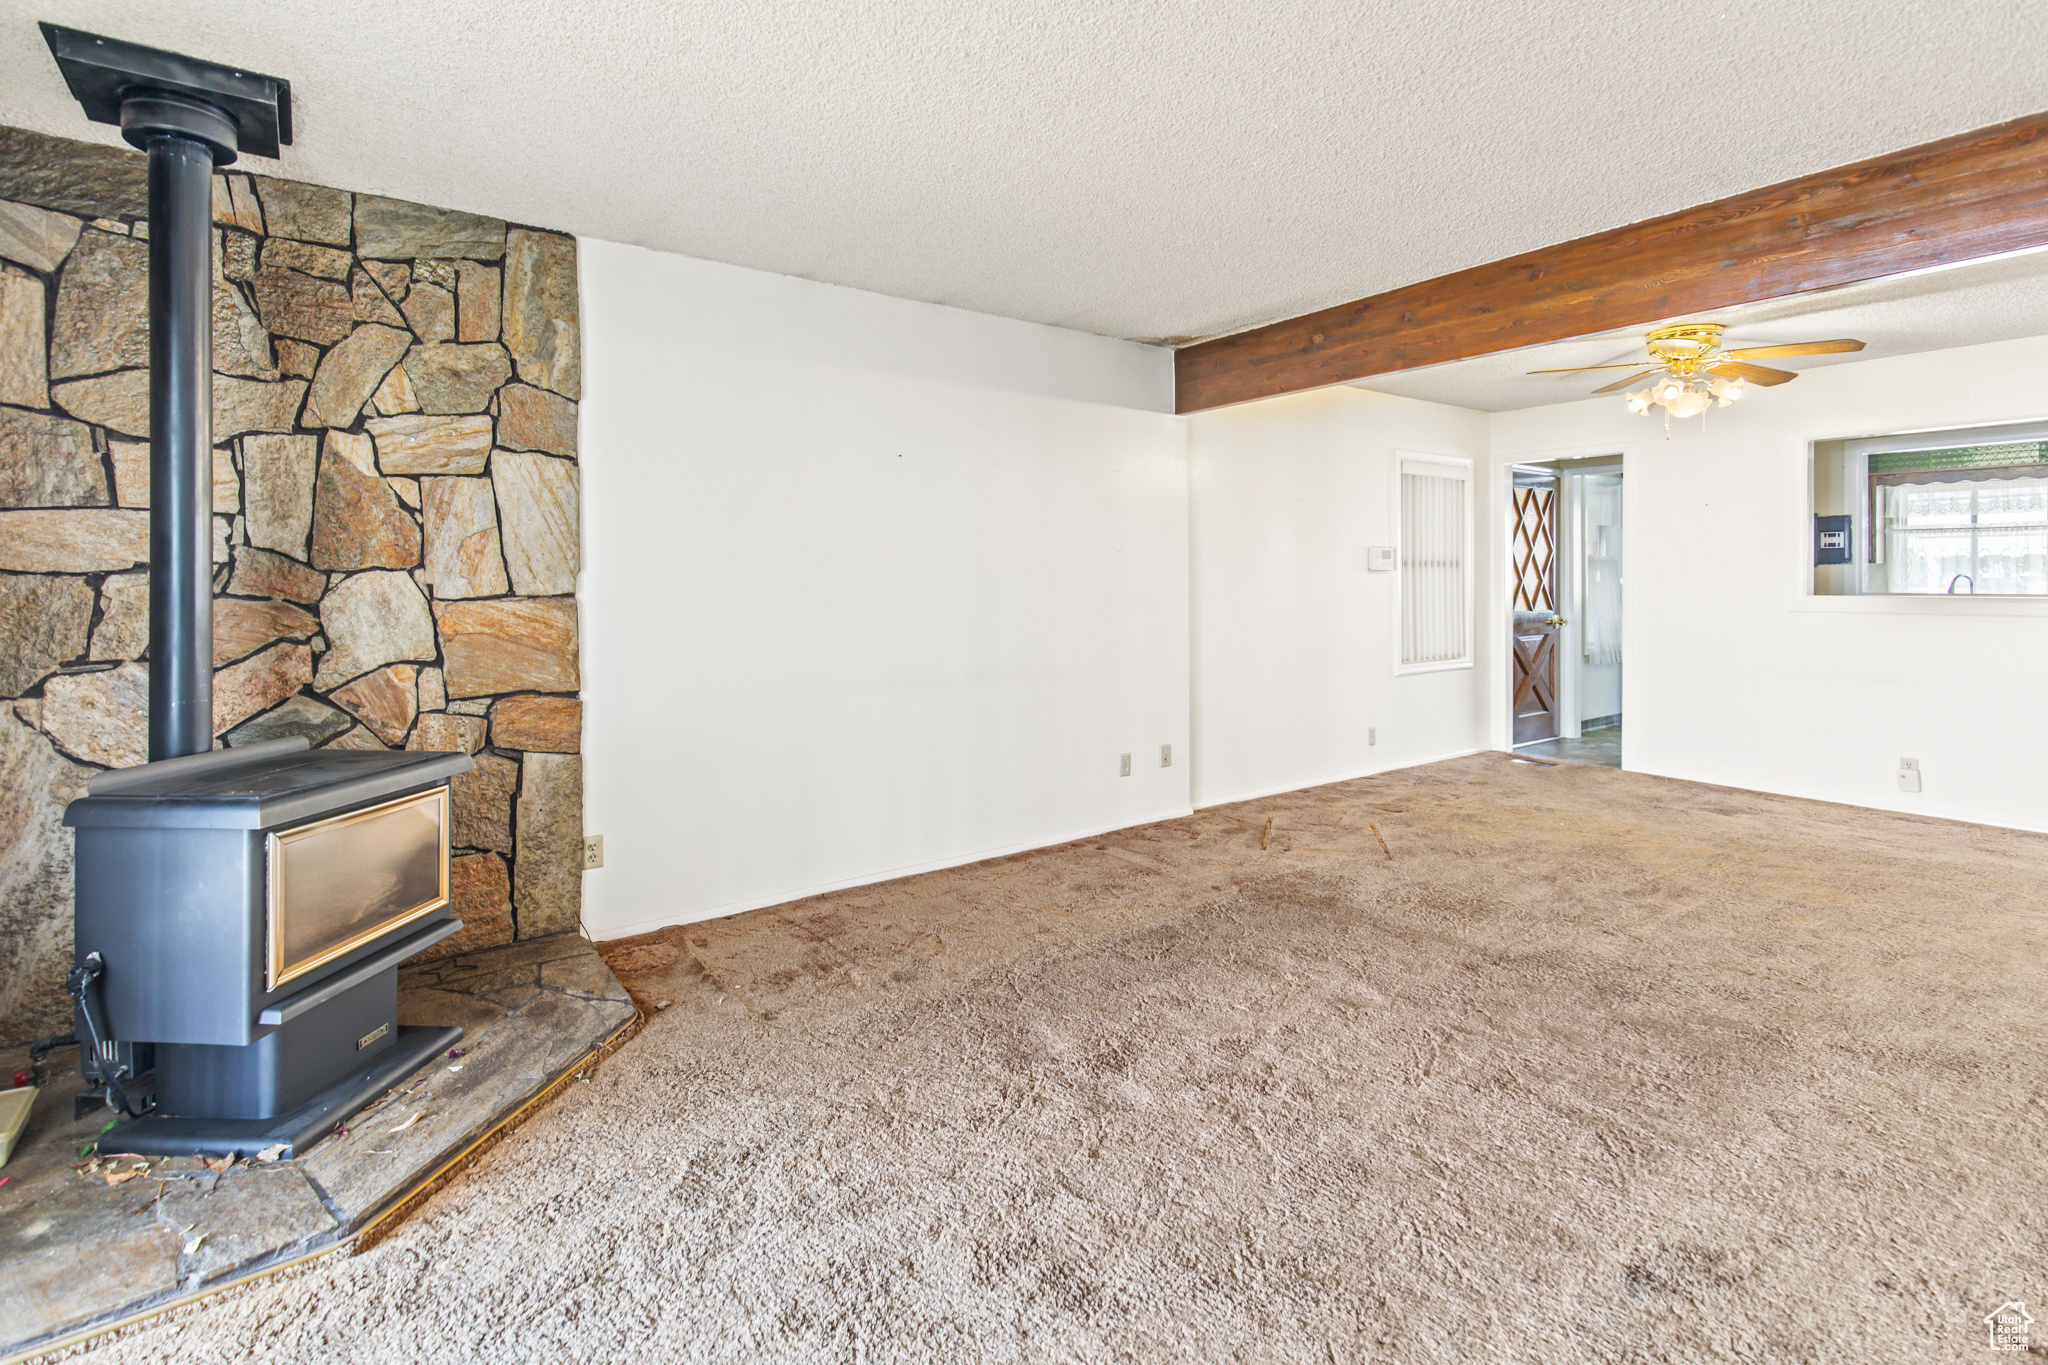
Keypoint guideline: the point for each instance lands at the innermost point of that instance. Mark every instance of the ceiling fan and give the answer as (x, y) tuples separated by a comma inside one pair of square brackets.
[(1692, 372)]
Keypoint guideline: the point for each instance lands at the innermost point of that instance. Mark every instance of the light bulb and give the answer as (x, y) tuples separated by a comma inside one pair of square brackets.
[(1639, 402), (1668, 391), (1690, 403), (1719, 389)]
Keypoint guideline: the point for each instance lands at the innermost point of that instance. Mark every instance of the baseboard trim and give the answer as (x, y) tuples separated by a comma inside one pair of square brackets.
[(1340, 777), (648, 926), (1945, 814)]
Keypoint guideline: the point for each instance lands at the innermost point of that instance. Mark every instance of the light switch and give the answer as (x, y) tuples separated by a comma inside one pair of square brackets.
[(1379, 558)]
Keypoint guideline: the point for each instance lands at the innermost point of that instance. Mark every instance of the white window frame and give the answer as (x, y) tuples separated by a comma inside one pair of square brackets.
[(1442, 467)]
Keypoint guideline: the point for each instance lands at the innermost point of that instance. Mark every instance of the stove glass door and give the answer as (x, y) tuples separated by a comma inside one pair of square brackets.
[(338, 883)]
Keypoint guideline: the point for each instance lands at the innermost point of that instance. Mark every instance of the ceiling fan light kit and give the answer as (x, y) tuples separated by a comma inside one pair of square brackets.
[(1691, 372)]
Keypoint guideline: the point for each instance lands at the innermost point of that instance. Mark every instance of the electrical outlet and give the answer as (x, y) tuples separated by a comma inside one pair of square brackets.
[(1126, 772), (1372, 734), (593, 851), (1909, 774), (1166, 755)]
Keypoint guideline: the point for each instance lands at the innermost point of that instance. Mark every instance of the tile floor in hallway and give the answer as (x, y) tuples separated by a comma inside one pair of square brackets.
[(1596, 748)]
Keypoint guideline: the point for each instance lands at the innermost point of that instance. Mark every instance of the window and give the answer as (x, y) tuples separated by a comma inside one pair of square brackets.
[(1435, 567), (1938, 513), (1978, 536)]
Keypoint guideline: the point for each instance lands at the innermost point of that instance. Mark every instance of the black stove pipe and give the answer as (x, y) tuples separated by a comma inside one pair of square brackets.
[(185, 138), (189, 116)]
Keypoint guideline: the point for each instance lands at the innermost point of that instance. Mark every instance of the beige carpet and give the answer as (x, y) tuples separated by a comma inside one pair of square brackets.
[(1582, 1065)]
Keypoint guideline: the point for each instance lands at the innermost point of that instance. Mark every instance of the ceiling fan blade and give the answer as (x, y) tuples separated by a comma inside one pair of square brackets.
[(1621, 384), (1755, 374), (1798, 348), (1581, 369)]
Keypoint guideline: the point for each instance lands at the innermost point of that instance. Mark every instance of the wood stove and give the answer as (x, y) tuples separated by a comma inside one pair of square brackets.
[(249, 909)]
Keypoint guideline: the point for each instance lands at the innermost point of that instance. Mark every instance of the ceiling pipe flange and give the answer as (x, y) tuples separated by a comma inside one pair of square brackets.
[(105, 74)]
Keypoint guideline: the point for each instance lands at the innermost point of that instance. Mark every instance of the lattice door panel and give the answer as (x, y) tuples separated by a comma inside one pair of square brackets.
[(1534, 553), (1535, 675)]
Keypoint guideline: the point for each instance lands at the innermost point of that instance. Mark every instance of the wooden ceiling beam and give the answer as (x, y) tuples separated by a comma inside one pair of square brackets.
[(1959, 199)]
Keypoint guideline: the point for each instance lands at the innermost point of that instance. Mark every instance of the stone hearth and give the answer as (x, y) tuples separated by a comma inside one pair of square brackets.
[(77, 1252)]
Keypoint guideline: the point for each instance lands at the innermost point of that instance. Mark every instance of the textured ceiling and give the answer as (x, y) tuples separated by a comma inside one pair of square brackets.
[(1996, 299), (1154, 169)]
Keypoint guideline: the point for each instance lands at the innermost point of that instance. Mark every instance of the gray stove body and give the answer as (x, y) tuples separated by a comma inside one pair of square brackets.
[(174, 892)]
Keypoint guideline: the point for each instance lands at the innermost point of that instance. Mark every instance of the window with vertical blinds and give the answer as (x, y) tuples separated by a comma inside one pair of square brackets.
[(1435, 565)]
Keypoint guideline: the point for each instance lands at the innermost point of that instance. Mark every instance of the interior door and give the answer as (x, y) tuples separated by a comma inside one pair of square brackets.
[(1534, 619)]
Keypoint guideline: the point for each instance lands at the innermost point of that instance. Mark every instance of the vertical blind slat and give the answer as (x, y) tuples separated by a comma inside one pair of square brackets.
[(1433, 555)]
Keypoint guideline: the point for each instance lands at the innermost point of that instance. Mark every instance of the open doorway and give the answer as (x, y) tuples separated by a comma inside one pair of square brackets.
[(1564, 620)]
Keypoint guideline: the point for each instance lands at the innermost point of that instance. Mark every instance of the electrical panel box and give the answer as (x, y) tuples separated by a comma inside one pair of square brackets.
[(1830, 540)]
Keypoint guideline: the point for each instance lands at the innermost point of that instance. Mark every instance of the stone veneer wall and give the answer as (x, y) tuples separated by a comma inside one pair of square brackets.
[(395, 507)]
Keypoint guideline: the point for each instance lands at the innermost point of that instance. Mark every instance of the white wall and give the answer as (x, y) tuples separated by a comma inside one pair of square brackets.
[(1735, 673), (1599, 690), (1294, 640), (869, 586), (873, 586)]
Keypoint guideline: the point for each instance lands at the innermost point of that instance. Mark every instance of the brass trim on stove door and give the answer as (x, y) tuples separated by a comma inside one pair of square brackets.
[(275, 973)]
